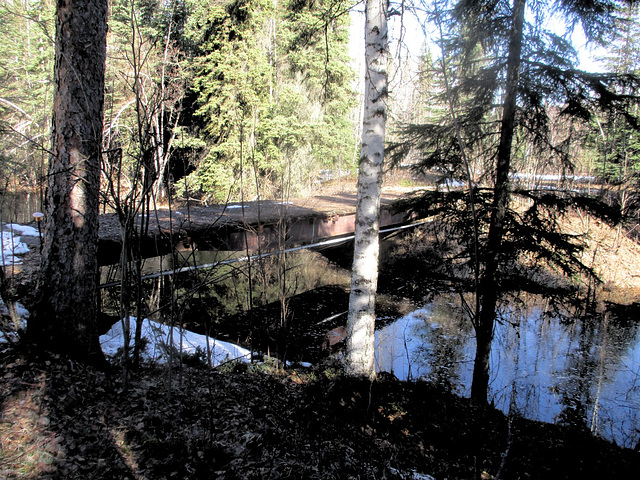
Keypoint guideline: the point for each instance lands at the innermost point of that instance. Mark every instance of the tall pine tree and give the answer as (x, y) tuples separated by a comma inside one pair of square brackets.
[(66, 310)]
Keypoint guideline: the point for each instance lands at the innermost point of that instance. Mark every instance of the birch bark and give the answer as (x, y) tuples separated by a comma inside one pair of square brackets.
[(364, 277)]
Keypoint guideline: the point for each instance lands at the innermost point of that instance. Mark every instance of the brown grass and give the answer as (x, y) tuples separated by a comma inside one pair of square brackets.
[(614, 257), (27, 446)]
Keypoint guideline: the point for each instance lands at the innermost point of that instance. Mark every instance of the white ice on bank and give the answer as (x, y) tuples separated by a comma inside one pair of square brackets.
[(25, 230), (23, 314), (451, 183), (11, 246), (159, 338)]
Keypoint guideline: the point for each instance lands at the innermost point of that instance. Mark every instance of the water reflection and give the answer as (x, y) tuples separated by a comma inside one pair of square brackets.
[(582, 373), (227, 287), (585, 373)]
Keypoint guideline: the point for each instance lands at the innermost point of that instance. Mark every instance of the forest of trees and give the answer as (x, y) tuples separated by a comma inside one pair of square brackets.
[(244, 99), (211, 93), (213, 90), (120, 111)]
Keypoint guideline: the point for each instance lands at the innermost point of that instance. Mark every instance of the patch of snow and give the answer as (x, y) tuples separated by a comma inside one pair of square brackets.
[(160, 337), (7, 260), (11, 246), (26, 230), (3, 337), (412, 475), (451, 183), (22, 312)]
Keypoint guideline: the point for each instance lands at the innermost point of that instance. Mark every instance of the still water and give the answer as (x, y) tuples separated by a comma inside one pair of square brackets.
[(543, 367), (584, 373)]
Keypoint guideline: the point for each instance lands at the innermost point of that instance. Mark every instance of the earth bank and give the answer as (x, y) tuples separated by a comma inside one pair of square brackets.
[(63, 420)]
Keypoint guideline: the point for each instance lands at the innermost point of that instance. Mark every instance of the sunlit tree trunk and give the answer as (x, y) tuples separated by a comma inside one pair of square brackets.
[(364, 278), (66, 310), (488, 284)]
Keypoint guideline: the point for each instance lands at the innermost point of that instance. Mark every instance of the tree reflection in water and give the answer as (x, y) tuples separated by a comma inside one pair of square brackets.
[(546, 364), (581, 372)]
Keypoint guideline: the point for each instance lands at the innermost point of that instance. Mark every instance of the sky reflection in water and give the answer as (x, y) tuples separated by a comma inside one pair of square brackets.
[(585, 373)]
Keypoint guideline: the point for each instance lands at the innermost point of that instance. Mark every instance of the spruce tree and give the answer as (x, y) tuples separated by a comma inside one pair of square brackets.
[(617, 135), (507, 74), (272, 91)]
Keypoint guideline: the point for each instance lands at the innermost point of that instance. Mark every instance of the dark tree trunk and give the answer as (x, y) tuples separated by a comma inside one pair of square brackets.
[(489, 285), (65, 314)]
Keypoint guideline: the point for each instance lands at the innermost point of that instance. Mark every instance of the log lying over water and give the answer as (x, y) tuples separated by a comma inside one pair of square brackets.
[(265, 224)]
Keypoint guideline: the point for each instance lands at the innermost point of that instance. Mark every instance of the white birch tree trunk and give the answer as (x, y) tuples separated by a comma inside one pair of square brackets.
[(364, 277)]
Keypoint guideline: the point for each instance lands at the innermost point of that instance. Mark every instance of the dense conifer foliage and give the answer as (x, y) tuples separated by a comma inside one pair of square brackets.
[(221, 90), (505, 78)]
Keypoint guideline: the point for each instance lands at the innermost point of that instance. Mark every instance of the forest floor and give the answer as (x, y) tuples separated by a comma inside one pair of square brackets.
[(63, 420)]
